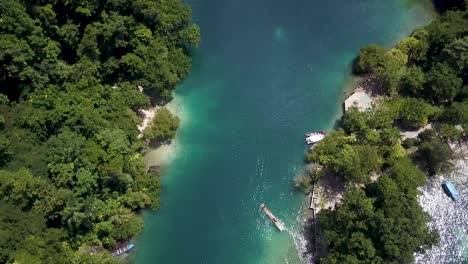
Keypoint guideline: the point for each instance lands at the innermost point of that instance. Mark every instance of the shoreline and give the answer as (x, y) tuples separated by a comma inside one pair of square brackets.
[(331, 190), (161, 155), (433, 198)]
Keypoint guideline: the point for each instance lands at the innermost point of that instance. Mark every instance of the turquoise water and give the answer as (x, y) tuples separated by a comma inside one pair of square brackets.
[(265, 72)]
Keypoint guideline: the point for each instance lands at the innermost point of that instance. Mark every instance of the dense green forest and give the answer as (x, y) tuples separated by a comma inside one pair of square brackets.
[(72, 178), (425, 77)]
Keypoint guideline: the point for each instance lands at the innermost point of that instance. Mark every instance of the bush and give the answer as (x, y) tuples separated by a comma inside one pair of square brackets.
[(434, 157), (450, 132), (303, 183), (368, 58), (410, 142), (456, 114), (163, 128), (427, 135), (415, 113)]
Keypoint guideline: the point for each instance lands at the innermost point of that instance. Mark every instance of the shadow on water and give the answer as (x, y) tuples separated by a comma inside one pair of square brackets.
[(313, 249)]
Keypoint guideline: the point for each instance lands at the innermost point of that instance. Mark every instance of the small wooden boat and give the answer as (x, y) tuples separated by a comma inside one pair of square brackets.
[(122, 250), (273, 218), (450, 190)]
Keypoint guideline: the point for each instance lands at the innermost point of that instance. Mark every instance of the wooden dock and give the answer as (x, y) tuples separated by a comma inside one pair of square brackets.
[(313, 198), (313, 205)]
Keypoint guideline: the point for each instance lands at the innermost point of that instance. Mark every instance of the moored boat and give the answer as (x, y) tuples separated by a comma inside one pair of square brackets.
[(308, 134), (122, 250), (314, 138), (273, 218), (450, 190)]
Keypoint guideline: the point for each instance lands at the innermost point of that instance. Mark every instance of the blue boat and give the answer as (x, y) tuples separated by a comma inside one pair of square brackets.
[(450, 190), (122, 250)]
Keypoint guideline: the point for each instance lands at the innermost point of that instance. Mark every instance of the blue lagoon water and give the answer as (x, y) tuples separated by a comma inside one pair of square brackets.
[(265, 72)]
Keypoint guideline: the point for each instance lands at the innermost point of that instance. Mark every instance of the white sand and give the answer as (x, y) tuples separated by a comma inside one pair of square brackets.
[(148, 116), (161, 156), (164, 154)]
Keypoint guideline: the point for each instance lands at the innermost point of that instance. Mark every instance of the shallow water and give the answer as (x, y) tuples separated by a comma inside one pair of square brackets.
[(265, 72), (448, 217)]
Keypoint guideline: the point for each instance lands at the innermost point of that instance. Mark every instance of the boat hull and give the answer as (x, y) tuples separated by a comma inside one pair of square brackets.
[(314, 139), (308, 134), (122, 250), (450, 190)]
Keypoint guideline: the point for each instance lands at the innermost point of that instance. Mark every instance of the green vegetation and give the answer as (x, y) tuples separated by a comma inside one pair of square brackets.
[(369, 57), (72, 180), (163, 128), (433, 155), (425, 76), (382, 223), (379, 220)]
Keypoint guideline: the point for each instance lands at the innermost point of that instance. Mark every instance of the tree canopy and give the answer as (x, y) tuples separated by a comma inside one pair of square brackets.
[(369, 57), (163, 128), (379, 219), (430, 64), (70, 86)]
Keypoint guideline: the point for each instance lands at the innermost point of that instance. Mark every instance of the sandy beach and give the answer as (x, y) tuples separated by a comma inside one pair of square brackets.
[(161, 155)]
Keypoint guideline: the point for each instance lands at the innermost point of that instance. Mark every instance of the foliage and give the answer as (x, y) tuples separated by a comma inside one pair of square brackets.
[(443, 6), (413, 81), (457, 113), (434, 156), (428, 64), (163, 128), (369, 57), (26, 239), (456, 53), (311, 176), (414, 48), (382, 224), (390, 70), (353, 120), (413, 112), (72, 177), (443, 82), (425, 76), (445, 29), (409, 143), (450, 132), (355, 163)]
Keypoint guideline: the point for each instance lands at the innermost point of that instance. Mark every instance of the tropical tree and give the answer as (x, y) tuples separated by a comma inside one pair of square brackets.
[(413, 82), (434, 156), (443, 83), (369, 57), (390, 69), (163, 128)]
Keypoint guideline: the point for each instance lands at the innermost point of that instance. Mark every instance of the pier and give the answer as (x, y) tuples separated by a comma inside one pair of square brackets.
[(314, 207)]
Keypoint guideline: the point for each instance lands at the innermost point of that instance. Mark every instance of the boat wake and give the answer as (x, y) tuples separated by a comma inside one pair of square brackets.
[(298, 251), (301, 243)]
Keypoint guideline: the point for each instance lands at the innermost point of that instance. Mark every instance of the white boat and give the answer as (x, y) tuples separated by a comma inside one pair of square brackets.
[(273, 218), (314, 138), (122, 250), (308, 134)]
